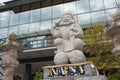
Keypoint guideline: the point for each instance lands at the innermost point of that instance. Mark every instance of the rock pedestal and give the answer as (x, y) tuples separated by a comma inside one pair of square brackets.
[(9, 59), (82, 71)]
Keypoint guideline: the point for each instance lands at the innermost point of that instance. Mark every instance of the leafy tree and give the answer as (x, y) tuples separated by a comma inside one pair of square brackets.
[(38, 75), (98, 45), (114, 74)]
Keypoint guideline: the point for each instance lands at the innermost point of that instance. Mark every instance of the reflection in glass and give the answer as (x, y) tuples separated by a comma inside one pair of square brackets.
[(4, 19), (14, 17), (84, 19), (13, 29), (41, 42), (34, 27), (109, 3), (98, 16), (38, 43), (70, 7), (82, 6), (24, 17), (34, 44), (35, 15), (45, 13), (109, 13), (3, 32), (23, 28), (94, 6), (57, 11), (45, 25)]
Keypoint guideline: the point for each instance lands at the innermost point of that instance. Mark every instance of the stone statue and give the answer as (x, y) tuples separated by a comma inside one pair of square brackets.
[(114, 32), (9, 60), (67, 35)]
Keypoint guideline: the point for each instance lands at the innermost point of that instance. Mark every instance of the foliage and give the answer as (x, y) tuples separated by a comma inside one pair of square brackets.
[(38, 75), (99, 45), (114, 75)]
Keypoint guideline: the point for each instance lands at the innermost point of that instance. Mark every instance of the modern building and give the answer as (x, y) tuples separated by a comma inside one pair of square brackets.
[(32, 20)]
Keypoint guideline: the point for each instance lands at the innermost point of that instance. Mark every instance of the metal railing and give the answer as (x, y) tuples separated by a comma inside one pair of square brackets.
[(38, 43)]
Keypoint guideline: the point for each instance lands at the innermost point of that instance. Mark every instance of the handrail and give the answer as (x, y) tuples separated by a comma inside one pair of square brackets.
[(39, 43)]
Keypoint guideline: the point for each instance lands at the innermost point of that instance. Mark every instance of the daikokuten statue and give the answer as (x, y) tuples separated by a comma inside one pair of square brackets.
[(67, 35), (9, 59)]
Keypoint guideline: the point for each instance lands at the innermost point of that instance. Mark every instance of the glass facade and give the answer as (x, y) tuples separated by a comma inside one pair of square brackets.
[(85, 12)]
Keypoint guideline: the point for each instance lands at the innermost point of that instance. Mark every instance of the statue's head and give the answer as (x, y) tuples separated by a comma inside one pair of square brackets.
[(67, 19), (12, 37)]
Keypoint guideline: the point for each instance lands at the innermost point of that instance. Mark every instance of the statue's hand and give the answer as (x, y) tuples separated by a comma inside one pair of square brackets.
[(77, 32), (56, 24), (53, 30)]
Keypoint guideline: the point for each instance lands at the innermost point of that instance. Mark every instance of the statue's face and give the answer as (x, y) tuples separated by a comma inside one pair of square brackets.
[(12, 38), (67, 20)]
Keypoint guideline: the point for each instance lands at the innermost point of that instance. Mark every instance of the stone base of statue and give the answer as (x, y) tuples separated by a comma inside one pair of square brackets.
[(79, 71), (78, 78)]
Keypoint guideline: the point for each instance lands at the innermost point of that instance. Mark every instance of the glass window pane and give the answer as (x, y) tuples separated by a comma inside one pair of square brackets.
[(23, 28), (35, 15), (45, 13), (94, 6), (45, 25), (57, 11), (82, 6), (13, 29), (109, 3), (24, 17), (34, 27), (83, 20), (70, 7), (109, 13), (34, 45), (98, 16), (4, 19), (3, 32), (14, 17)]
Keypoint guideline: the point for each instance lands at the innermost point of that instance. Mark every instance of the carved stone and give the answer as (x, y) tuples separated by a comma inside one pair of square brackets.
[(9, 60), (114, 32), (67, 35), (78, 71)]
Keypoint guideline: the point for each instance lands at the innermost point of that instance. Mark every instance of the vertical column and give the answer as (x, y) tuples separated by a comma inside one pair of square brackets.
[(28, 72)]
